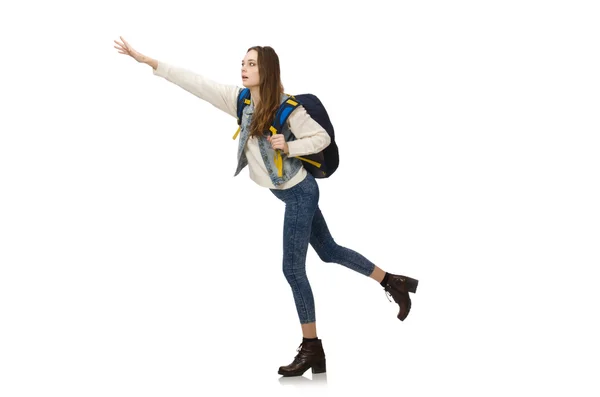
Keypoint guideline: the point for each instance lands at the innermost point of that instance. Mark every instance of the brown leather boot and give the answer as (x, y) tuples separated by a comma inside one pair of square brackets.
[(398, 288), (310, 354)]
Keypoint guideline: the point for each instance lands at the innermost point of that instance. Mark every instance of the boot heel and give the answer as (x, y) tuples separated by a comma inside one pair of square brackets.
[(411, 284), (318, 367)]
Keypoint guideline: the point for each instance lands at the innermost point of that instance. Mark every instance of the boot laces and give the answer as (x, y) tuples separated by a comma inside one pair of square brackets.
[(388, 294), (390, 286)]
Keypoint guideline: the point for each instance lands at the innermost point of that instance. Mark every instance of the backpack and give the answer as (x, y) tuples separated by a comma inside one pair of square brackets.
[(322, 164)]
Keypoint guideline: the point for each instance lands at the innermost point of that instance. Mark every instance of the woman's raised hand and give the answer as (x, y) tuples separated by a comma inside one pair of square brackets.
[(126, 49)]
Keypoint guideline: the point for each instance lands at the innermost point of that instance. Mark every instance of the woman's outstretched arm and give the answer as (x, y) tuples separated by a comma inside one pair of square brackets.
[(222, 96)]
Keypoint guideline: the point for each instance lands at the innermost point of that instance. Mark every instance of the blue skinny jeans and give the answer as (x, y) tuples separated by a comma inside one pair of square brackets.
[(303, 224)]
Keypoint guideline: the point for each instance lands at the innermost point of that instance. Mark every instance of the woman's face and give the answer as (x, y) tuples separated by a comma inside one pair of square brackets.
[(250, 77)]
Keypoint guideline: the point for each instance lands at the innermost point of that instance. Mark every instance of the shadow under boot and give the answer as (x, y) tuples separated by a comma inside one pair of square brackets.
[(310, 355)]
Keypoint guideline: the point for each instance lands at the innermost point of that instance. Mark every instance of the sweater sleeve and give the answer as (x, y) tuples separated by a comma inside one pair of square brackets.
[(222, 96), (310, 136)]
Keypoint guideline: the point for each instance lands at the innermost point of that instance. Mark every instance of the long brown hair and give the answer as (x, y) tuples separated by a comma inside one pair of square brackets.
[(270, 89)]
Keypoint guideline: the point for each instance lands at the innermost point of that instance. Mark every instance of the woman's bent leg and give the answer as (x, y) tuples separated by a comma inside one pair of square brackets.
[(329, 251)]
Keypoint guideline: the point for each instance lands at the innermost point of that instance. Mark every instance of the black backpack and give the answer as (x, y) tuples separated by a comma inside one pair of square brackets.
[(322, 164)]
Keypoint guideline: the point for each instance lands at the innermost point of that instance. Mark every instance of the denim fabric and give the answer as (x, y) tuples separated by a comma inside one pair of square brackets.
[(303, 224), (291, 165)]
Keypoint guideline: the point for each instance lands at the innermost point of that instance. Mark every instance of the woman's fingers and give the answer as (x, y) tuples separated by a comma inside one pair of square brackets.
[(120, 46), (125, 48), (121, 50), (276, 141), (126, 43)]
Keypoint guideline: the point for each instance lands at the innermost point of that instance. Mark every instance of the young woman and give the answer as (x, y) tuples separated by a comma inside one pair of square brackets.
[(288, 180)]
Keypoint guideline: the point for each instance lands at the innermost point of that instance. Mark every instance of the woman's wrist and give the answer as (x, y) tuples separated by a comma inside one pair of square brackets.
[(150, 61)]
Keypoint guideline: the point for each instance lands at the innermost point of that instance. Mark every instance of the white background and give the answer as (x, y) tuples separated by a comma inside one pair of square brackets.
[(134, 264)]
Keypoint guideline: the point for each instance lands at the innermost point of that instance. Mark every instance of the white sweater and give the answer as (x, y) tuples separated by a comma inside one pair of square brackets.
[(310, 136)]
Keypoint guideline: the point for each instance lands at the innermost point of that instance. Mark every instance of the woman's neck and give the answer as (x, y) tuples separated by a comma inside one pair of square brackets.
[(255, 94)]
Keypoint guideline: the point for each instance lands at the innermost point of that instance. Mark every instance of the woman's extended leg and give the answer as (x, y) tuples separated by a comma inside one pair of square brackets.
[(329, 251)]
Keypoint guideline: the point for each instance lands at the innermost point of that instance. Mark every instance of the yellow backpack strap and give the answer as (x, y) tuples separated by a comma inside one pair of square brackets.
[(279, 163), (278, 160), (316, 164)]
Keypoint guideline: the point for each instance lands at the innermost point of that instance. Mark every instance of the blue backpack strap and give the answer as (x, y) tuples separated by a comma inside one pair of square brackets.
[(242, 102), (282, 114)]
